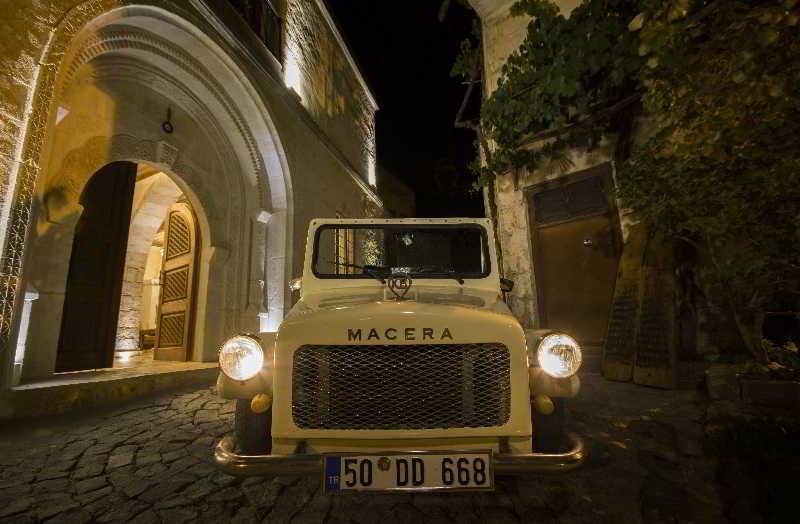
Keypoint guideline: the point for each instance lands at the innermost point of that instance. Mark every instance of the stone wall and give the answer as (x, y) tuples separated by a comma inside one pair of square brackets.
[(320, 69), (24, 29), (502, 35)]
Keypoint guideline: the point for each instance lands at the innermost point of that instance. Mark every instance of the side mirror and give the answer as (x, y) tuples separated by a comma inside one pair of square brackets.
[(506, 285), (295, 284)]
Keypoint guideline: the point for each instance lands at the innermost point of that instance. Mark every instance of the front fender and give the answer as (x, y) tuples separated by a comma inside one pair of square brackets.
[(230, 389), (544, 384)]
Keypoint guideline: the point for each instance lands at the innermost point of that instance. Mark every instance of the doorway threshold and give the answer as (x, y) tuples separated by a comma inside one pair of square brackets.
[(84, 390)]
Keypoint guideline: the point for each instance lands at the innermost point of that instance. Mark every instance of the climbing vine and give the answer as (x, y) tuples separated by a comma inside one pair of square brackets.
[(704, 99), (565, 76)]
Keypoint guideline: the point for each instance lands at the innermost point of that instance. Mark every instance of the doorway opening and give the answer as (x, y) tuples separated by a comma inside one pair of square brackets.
[(577, 244), (131, 283)]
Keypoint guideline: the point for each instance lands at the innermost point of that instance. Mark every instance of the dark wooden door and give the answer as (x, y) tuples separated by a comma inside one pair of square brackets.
[(96, 267), (175, 307), (575, 255)]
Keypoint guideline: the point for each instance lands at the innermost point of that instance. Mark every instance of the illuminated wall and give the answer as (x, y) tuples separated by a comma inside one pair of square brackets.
[(321, 71)]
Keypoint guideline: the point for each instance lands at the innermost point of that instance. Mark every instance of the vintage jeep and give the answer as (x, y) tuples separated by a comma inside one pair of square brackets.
[(400, 367)]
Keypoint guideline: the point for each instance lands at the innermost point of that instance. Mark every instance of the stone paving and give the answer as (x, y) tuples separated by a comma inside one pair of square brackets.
[(150, 462)]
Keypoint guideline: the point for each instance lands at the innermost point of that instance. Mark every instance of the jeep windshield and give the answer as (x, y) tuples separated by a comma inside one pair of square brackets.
[(454, 251)]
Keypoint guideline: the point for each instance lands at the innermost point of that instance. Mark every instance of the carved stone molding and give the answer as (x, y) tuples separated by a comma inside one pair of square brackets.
[(166, 153), (120, 38), (134, 71)]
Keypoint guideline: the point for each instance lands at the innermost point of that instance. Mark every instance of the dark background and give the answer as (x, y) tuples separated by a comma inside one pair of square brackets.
[(405, 54)]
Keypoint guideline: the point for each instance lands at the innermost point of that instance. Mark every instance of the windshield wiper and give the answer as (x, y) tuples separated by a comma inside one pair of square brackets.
[(438, 271), (376, 272)]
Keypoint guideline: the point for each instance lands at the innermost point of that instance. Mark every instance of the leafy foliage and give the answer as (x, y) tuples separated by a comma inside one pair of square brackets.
[(784, 362), (722, 166), (468, 61), (564, 71), (717, 160)]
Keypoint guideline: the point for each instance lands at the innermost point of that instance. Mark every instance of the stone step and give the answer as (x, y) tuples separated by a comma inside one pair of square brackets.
[(83, 391)]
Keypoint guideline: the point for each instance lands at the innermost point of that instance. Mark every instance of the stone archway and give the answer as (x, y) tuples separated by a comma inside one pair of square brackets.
[(118, 76)]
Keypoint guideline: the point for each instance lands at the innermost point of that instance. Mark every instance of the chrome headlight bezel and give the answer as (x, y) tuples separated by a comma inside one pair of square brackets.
[(559, 355), (244, 351)]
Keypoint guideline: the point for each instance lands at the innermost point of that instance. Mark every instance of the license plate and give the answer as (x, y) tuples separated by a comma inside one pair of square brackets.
[(409, 472)]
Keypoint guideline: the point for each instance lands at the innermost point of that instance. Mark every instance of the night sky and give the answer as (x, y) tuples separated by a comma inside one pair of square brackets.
[(405, 54)]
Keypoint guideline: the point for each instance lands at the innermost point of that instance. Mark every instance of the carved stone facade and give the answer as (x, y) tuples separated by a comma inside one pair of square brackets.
[(88, 83)]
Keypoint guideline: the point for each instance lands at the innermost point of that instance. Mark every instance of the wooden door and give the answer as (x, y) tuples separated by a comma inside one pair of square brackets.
[(96, 268), (175, 307), (575, 255)]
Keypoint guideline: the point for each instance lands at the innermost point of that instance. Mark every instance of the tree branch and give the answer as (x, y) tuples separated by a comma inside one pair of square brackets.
[(475, 77)]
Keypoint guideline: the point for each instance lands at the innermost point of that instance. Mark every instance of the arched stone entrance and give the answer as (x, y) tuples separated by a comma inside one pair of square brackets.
[(131, 283), (122, 78)]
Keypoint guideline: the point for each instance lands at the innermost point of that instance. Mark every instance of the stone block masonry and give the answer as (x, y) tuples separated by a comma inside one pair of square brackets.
[(320, 70)]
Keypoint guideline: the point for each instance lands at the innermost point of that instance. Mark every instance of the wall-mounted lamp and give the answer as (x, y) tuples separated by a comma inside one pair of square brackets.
[(167, 126)]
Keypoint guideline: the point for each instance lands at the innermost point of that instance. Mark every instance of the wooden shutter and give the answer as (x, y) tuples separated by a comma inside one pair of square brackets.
[(176, 302)]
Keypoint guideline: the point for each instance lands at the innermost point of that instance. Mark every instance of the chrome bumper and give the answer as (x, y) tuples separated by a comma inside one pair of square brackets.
[(504, 464)]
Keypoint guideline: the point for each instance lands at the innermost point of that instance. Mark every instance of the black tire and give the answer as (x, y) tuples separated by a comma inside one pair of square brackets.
[(550, 431), (253, 430)]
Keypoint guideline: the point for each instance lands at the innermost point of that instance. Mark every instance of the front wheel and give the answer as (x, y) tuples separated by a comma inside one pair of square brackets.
[(550, 431), (253, 430)]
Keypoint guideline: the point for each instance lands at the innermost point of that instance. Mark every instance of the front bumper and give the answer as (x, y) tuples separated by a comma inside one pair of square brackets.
[(504, 464)]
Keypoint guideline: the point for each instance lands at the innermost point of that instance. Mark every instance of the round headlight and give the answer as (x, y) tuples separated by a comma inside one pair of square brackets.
[(241, 357), (559, 355)]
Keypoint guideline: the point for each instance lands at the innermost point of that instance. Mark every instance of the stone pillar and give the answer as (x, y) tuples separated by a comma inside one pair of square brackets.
[(130, 304), (19, 356), (48, 269), (275, 285), (515, 237), (213, 322)]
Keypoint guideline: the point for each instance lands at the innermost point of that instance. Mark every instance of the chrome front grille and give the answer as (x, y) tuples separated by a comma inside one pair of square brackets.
[(431, 386)]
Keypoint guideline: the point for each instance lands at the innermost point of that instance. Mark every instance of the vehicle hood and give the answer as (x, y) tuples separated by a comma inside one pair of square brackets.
[(464, 296), (431, 314)]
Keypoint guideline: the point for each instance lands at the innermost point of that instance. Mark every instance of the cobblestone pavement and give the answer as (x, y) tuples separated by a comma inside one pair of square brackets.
[(149, 462)]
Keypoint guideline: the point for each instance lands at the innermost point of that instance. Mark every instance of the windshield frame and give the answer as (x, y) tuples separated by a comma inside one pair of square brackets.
[(487, 271)]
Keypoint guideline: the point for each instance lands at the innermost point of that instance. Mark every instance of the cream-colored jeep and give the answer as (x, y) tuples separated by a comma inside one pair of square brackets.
[(400, 367)]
